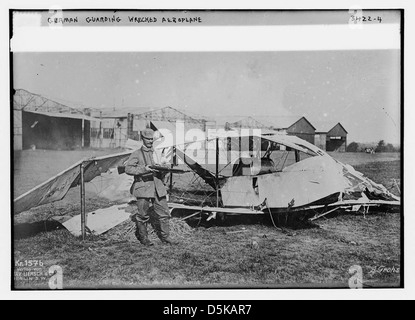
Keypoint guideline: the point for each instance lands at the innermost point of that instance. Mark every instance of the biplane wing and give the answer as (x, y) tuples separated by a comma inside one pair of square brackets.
[(58, 186), (318, 179)]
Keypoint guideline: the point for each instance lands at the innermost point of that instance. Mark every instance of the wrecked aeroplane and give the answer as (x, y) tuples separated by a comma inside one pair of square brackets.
[(278, 173), (266, 173)]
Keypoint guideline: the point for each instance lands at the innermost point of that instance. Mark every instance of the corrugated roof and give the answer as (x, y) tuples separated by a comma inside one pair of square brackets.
[(196, 115), (247, 122), (278, 122), (118, 112), (267, 121), (340, 125), (222, 120), (323, 126), (64, 115), (27, 101), (167, 113)]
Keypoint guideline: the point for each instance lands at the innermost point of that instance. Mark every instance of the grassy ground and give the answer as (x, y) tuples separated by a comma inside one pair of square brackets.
[(240, 254), (358, 158)]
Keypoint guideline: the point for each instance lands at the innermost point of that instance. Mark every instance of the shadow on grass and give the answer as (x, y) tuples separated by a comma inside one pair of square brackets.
[(27, 230), (298, 220), (223, 220)]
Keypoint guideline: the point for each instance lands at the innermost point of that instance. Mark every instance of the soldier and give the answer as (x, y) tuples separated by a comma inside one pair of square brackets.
[(150, 192)]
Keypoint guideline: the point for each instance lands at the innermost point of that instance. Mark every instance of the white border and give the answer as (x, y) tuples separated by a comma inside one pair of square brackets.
[(191, 38)]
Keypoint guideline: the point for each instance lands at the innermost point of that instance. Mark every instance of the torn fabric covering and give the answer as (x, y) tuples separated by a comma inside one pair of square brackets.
[(94, 167), (58, 186), (99, 221), (52, 190), (358, 183), (111, 185), (317, 180), (302, 183)]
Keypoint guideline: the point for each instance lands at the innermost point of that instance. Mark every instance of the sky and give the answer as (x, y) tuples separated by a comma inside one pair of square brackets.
[(360, 89)]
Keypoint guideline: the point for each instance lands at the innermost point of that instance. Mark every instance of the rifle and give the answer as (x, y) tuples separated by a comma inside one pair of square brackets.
[(121, 169)]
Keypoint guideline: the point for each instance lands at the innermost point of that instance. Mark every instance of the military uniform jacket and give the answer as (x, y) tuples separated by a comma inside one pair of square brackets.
[(146, 184)]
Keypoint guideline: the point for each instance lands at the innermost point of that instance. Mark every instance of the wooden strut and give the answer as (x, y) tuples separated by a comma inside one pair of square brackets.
[(83, 213), (323, 214), (217, 172), (171, 179), (192, 215), (396, 184), (172, 166)]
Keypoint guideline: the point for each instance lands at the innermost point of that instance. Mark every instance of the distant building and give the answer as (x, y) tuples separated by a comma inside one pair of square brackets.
[(42, 123), (295, 126), (247, 123), (336, 139), (327, 137), (320, 139), (109, 133), (119, 125), (39, 122), (165, 118), (331, 138), (292, 125), (112, 130)]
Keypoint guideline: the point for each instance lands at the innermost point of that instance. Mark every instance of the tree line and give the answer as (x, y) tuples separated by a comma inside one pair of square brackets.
[(382, 146)]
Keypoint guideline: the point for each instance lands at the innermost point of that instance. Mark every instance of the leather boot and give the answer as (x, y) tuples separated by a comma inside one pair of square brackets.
[(141, 234), (164, 232)]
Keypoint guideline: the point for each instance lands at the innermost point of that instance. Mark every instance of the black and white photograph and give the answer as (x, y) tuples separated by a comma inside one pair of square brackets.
[(206, 149)]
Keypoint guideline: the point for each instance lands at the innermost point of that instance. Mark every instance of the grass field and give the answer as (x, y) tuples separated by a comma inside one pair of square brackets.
[(238, 255)]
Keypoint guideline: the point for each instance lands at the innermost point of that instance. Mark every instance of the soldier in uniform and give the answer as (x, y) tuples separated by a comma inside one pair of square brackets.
[(150, 192)]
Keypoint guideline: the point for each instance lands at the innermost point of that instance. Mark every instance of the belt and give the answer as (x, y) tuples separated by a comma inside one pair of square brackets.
[(144, 179)]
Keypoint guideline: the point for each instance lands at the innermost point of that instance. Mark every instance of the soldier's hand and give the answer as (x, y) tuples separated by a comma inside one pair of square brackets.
[(149, 169)]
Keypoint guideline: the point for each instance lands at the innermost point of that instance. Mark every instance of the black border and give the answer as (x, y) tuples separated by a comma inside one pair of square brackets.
[(402, 11), (314, 286), (11, 86)]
